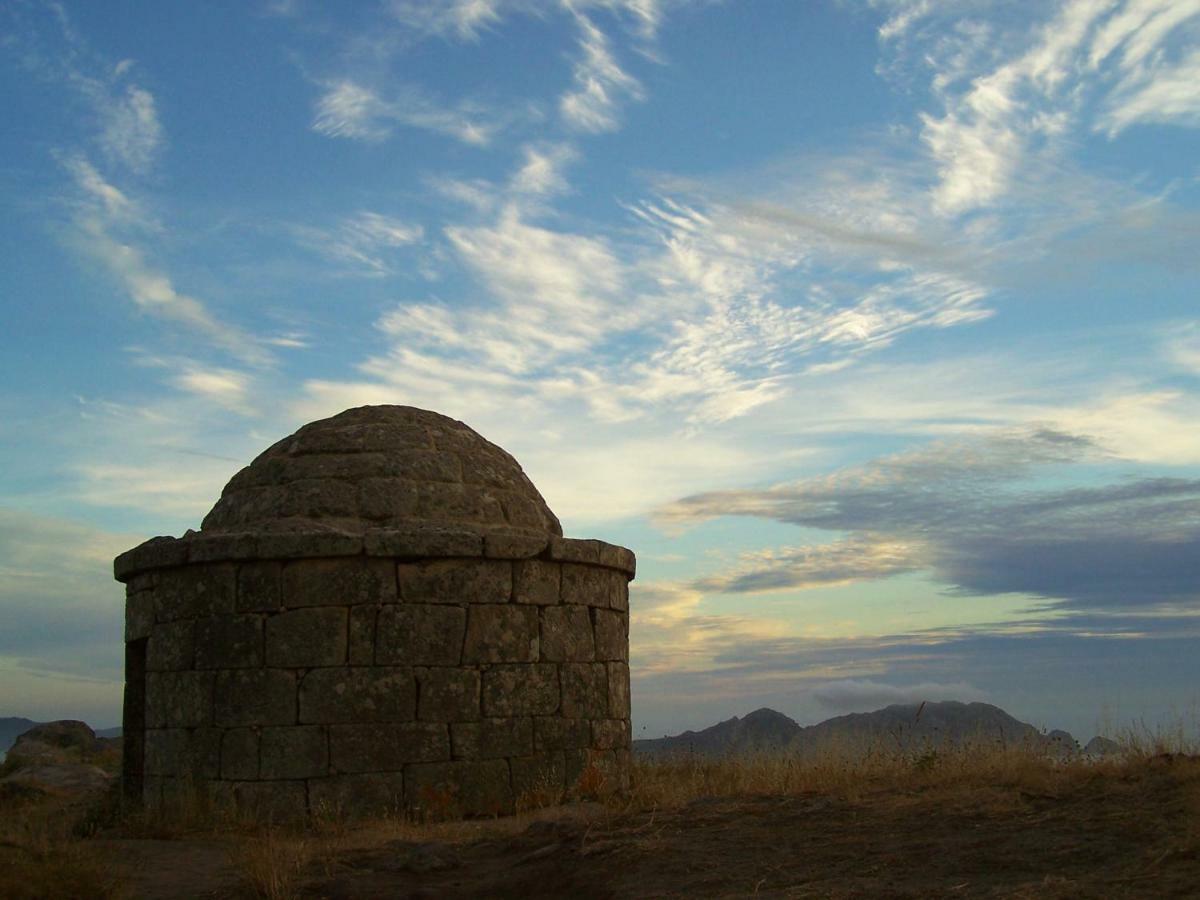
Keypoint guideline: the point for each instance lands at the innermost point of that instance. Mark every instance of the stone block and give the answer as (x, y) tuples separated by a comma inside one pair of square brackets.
[(459, 503), (590, 773), (167, 750), (503, 634), (520, 511), (229, 642), (343, 797), (611, 734), (369, 694), (386, 499), (338, 582), (584, 690), (538, 780), (566, 634), (156, 553), (514, 545), (618, 690), (171, 647), (302, 638), (612, 634), (590, 585), (537, 581), (529, 689), (386, 747), (308, 545), (459, 788), (557, 733), (195, 592), (618, 594), (623, 759), (258, 587), (575, 550), (420, 634), (492, 738), (239, 754), (143, 582), (255, 697), (139, 615), (210, 547), (423, 465), (618, 558), (294, 751), (364, 437), (315, 498), (418, 542), (456, 581), (447, 695), (179, 699), (362, 635)]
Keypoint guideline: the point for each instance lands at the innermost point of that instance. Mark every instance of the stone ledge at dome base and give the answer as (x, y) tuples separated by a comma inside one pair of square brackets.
[(421, 542)]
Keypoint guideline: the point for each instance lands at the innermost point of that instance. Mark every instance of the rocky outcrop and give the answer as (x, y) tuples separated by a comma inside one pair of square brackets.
[(63, 757)]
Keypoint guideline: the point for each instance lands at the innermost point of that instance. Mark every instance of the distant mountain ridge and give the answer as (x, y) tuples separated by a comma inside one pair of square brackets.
[(902, 727)]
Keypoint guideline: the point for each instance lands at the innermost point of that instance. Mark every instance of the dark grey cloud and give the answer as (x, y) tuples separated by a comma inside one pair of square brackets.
[(960, 510)]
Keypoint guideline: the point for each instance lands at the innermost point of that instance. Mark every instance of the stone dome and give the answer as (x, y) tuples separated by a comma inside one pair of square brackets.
[(379, 467)]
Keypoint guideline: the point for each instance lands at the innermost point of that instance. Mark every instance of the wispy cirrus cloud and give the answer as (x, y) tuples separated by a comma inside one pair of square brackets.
[(600, 86), (363, 243), (348, 109), (1012, 91)]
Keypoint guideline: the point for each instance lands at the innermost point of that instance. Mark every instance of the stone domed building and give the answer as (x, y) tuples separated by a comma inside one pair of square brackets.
[(380, 612)]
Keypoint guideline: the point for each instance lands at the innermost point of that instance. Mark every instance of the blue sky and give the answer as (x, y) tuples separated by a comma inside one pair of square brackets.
[(872, 327)]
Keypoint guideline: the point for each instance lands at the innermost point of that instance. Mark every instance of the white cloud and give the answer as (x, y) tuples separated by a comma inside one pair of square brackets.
[(362, 243), (600, 84), (347, 109), (541, 172), (131, 130), (225, 387), (464, 19)]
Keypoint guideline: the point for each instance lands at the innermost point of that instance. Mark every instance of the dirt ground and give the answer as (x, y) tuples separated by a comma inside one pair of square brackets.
[(1112, 836)]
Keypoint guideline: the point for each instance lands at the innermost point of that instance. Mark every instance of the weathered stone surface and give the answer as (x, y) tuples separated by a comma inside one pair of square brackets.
[(370, 694), (183, 752), (618, 690), (362, 635), (584, 690), (179, 699), (156, 553), (492, 738), (424, 541), (557, 733), (139, 615), (171, 647), (195, 592), (612, 634), (295, 751), (258, 587), (538, 780), (255, 697), (566, 634), (342, 797), (618, 558), (519, 511), (307, 637), (591, 773), (575, 550), (309, 544), (520, 690), (420, 634), (618, 596), (459, 788), (610, 734), (590, 585), (387, 499), (206, 548), (239, 754), (386, 747), (456, 581), (515, 545), (229, 642), (317, 477), (338, 582), (501, 633), (536, 581), (447, 695)]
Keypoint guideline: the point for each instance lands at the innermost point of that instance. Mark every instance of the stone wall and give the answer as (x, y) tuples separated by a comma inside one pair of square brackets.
[(444, 672)]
